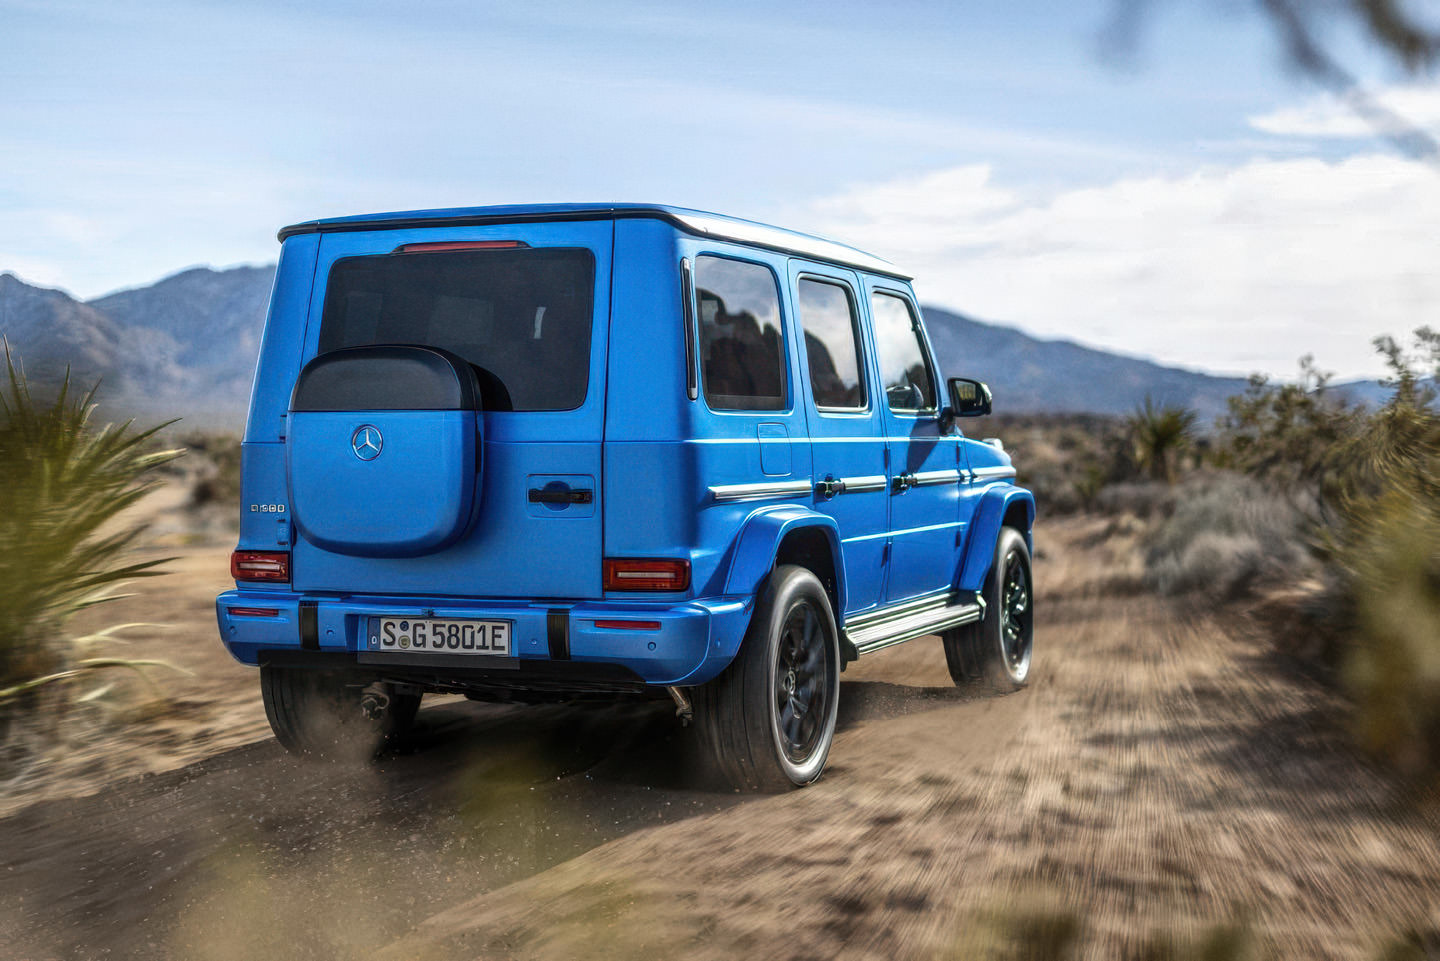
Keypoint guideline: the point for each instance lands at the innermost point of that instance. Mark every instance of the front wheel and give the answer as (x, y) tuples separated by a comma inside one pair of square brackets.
[(333, 715), (995, 652), (769, 719)]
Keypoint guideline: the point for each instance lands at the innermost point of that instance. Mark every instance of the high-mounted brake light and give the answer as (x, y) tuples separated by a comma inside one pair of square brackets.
[(441, 246), (260, 565), (639, 574)]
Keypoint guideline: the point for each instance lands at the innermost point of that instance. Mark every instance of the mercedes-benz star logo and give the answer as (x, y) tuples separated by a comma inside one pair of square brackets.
[(366, 442)]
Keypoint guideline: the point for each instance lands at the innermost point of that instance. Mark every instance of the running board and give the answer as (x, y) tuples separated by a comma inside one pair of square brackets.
[(874, 631)]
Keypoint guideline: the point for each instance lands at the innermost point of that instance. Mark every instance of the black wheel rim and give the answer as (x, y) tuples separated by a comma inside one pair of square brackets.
[(802, 688), (1015, 611)]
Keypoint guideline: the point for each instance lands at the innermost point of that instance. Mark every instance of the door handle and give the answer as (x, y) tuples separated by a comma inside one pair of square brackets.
[(553, 496), (829, 487), (903, 482)]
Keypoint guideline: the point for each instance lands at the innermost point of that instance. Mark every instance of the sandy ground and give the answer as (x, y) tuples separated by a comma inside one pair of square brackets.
[(1163, 778)]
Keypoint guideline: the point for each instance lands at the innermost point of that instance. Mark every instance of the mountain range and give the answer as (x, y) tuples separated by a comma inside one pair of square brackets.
[(182, 347), (185, 346)]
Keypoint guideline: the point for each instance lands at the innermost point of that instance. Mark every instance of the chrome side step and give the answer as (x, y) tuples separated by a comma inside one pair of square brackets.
[(877, 630)]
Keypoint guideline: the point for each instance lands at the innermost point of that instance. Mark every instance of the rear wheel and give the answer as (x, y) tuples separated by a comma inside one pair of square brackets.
[(995, 652), (333, 714), (769, 719)]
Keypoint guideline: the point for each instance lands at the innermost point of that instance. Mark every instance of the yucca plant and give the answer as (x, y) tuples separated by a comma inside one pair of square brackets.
[(64, 544), (1160, 433)]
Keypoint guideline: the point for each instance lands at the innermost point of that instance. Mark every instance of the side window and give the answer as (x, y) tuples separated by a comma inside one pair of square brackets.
[(827, 315), (903, 371), (742, 353)]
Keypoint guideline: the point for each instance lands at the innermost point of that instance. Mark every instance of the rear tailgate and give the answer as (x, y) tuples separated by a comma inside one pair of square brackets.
[(528, 304)]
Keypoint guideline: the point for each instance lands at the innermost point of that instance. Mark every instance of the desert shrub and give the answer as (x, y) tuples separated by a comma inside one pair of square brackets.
[(216, 463), (1072, 461), (1065, 459), (1146, 500), (1295, 436), (64, 542), (1226, 535)]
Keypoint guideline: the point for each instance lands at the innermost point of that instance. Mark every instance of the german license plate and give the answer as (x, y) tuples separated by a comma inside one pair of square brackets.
[(439, 635)]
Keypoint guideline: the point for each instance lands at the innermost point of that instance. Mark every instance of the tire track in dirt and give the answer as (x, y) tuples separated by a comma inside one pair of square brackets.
[(1160, 779), (255, 854)]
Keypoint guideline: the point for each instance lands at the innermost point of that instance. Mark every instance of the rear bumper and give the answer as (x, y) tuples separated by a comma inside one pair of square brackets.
[(694, 642)]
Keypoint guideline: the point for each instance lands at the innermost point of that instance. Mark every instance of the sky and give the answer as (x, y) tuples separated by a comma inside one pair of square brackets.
[(1181, 195)]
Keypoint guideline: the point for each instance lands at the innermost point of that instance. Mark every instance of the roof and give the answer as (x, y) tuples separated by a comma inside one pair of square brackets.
[(696, 222)]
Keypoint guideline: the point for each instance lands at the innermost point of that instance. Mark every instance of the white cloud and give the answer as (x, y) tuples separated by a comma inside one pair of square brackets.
[(1232, 269), (1330, 116)]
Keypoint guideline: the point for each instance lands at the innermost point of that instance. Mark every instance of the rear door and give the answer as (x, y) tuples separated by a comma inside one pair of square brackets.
[(847, 429), (528, 306)]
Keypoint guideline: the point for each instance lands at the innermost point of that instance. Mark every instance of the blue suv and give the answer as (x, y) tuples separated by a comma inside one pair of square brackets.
[(539, 453)]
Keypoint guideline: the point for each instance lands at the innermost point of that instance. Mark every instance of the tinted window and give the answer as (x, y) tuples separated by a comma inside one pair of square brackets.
[(521, 317), (902, 358), (827, 315), (742, 353)]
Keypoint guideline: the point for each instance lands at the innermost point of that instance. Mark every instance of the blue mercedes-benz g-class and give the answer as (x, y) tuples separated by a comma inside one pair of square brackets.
[(548, 452)]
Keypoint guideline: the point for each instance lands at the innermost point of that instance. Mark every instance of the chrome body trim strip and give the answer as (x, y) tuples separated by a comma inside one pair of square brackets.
[(858, 485), (991, 473), (926, 478), (738, 492)]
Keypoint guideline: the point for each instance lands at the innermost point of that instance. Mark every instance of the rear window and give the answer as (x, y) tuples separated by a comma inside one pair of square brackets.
[(521, 317), (741, 350)]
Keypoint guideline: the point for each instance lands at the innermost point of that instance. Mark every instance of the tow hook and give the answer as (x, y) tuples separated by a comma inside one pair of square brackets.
[(374, 701), (683, 710)]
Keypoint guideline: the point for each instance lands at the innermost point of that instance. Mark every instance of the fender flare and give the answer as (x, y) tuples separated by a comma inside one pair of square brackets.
[(759, 540), (985, 529)]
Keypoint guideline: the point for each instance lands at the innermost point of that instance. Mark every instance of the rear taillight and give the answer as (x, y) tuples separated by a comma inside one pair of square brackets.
[(636, 574), (260, 565), (254, 611), (628, 625), (441, 246)]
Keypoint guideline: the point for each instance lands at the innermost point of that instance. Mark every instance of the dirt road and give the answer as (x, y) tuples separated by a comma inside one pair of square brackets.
[(1160, 778)]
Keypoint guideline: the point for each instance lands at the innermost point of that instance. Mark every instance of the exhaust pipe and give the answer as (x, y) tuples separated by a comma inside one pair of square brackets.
[(683, 710), (374, 701)]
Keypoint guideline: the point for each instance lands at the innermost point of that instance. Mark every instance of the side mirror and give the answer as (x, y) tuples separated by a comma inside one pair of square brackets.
[(968, 398)]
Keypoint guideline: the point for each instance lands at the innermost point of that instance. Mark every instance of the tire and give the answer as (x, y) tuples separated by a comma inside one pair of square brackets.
[(318, 713), (995, 653), (762, 730)]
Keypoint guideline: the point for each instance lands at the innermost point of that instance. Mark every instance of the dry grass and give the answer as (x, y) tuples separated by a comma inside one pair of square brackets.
[(1226, 537)]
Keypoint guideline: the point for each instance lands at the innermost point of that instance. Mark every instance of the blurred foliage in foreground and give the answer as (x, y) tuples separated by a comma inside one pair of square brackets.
[(1370, 482), (1367, 482), (1385, 539), (64, 546)]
